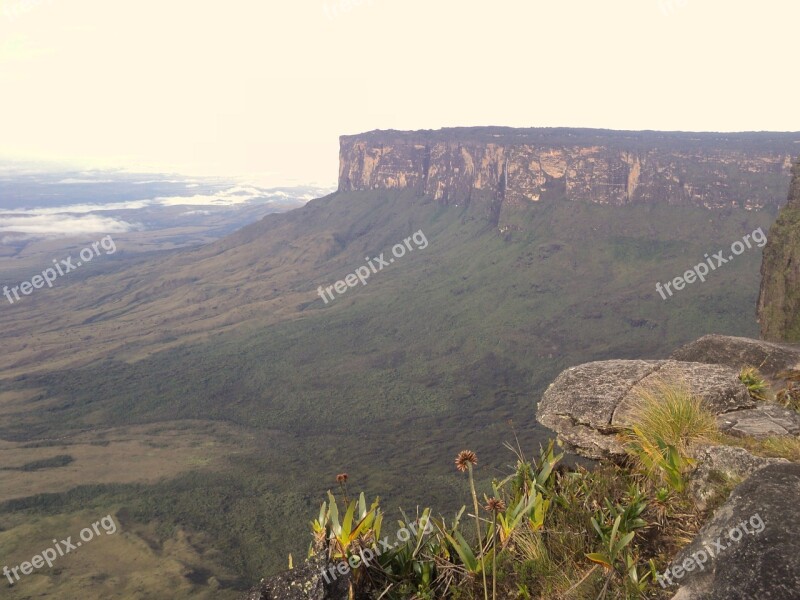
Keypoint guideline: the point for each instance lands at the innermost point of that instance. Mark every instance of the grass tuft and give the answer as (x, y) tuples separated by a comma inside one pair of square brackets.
[(673, 413), (667, 421)]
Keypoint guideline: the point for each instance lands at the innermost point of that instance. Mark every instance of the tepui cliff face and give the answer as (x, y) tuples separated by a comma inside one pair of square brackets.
[(779, 299), (502, 168)]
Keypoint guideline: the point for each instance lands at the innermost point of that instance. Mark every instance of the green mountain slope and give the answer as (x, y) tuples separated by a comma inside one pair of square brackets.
[(387, 382)]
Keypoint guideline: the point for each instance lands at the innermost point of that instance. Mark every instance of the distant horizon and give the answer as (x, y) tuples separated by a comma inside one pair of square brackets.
[(56, 165), (281, 82)]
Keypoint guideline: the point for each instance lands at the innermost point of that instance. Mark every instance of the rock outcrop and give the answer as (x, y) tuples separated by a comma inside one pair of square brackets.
[(500, 168), (765, 420), (737, 352), (590, 404), (750, 548), (304, 582), (779, 299), (727, 461)]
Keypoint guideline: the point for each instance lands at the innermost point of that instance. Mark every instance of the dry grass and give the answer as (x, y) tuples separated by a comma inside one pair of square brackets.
[(669, 411), (771, 447)]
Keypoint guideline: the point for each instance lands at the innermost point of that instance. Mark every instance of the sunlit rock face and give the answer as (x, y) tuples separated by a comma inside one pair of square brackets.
[(504, 168)]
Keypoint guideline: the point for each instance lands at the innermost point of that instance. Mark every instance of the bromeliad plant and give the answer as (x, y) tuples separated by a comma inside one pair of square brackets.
[(520, 503), (526, 493), (616, 526), (411, 568), (343, 538), (358, 528), (755, 383)]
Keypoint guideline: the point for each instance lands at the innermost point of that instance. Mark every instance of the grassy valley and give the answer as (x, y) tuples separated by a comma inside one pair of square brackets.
[(439, 351)]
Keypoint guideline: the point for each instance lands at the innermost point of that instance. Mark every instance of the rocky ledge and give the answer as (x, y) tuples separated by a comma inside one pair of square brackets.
[(750, 548), (588, 405)]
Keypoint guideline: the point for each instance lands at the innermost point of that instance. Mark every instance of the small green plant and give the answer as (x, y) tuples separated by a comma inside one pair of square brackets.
[(410, 569), (659, 460), (524, 493), (755, 383), (616, 525)]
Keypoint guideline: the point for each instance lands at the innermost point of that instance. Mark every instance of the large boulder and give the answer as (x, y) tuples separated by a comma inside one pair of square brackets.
[(738, 352), (729, 462), (750, 548), (589, 404)]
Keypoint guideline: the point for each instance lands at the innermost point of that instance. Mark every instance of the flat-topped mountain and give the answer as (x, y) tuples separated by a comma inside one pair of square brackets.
[(507, 167)]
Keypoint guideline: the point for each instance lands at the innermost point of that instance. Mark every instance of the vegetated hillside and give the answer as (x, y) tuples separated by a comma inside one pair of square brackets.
[(436, 353), (779, 300)]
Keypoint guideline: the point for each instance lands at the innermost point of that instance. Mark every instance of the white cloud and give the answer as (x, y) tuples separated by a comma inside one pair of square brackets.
[(230, 197), (78, 208), (73, 180), (58, 225), (76, 219)]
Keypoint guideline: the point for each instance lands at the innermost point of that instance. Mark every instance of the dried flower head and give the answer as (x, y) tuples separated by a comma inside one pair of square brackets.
[(464, 459), (341, 478), (495, 505)]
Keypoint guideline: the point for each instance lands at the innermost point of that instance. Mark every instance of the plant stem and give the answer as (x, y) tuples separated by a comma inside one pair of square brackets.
[(494, 555), (478, 528)]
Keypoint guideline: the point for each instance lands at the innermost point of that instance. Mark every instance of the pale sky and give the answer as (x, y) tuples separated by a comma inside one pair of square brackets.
[(263, 88)]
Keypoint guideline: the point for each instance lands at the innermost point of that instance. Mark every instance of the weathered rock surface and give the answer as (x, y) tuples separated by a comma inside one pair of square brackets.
[(738, 352), (589, 404), (763, 421), (779, 298), (305, 582), (727, 461), (751, 544), (518, 166)]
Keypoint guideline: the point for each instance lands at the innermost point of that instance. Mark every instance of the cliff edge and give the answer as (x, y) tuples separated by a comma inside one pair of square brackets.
[(779, 299)]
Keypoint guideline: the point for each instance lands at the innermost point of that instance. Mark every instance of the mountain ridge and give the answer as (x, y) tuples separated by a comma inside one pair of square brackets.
[(501, 169)]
